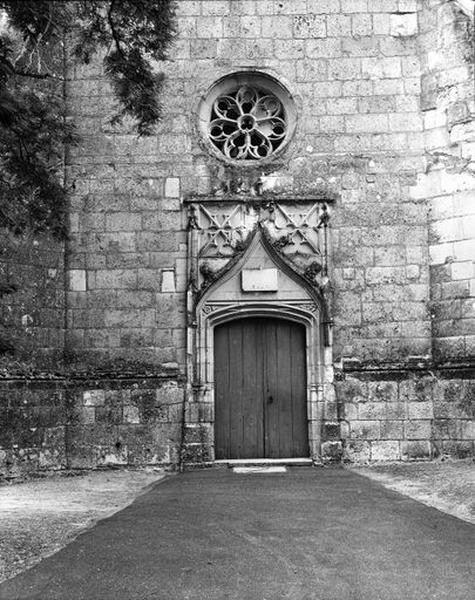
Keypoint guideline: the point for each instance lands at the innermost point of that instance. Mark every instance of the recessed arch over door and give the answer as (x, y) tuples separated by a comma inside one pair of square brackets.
[(260, 389)]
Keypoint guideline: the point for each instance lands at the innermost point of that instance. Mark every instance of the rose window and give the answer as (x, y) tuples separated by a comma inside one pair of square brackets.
[(247, 123)]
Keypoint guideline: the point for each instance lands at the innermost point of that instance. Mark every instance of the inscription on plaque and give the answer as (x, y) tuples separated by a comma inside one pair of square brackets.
[(259, 280)]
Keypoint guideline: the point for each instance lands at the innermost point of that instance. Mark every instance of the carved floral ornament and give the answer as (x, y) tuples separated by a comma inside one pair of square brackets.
[(221, 231), (247, 123), (247, 117)]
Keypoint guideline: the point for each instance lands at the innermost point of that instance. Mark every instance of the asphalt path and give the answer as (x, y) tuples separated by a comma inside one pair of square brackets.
[(308, 534)]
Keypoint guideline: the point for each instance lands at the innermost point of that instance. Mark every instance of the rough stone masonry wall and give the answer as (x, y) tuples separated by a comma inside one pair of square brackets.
[(448, 105), (31, 301), (80, 424), (32, 332), (356, 79), (354, 69)]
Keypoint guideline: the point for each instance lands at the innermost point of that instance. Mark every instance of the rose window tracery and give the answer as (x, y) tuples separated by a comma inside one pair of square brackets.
[(246, 117), (247, 123)]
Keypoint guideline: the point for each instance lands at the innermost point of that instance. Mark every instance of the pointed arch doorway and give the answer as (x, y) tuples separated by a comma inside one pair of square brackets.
[(279, 324), (260, 389)]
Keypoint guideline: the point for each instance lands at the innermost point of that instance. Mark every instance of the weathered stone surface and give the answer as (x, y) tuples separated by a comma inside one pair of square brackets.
[(385, 450), (416, 450), (384, 101)]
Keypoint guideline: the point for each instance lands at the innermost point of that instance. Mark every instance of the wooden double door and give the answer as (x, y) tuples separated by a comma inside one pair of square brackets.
[(260, 389)]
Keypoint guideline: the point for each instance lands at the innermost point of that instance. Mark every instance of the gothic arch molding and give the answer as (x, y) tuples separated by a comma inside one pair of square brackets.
[(296, 300)]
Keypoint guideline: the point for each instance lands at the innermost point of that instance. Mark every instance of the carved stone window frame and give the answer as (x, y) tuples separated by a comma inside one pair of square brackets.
[(232, 81)]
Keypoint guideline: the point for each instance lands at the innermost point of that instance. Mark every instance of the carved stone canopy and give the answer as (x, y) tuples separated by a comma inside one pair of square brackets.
[(221, 230)]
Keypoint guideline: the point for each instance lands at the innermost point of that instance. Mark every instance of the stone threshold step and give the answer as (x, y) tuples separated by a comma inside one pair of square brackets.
[(260, 470), (265, 462)]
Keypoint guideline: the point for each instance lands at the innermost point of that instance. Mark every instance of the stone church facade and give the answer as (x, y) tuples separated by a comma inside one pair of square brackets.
[(286, 269)]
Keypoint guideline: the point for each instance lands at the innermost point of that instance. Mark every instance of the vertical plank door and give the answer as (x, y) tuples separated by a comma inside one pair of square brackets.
[(260, 389)]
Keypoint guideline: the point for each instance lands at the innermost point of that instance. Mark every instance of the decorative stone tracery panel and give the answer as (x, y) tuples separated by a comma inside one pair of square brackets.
[(221, 230)]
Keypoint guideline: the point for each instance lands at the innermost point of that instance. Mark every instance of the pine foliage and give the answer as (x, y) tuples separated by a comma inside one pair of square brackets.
[(34, 129)]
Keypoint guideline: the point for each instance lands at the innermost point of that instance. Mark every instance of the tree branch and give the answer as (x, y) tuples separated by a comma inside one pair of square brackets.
[(113, 31), (34, 75)]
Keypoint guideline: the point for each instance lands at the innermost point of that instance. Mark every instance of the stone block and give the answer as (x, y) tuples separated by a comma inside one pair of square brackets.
[(416, 450), (372, 410), (108, 456), (169, 394), (385, 275), (388, 87), (328, 7), (408, 6), (359, 46), (420, 410), (458, 449), (385, 450), (131, 414), (357, 88), (338, 26), (331, 452), (322, 48), (344, 69), (215, 8), (366, 430), (367, 123), (377, 104), (168, 281), (343, 106), (444, 429), (361, 25), (392, 430), (209, 27), (354, 6), (405, 122), (403, 24), (172, 187), (331, 431), (382, 391), (356, 451), (351, 391), (413, 271), (309, 26), (409, 104), (411, 66), (93, 398), (285, 50), (87, 415), (350, 411), (111, 415), (204, 49), (248, 7), (381, 23), (123, 221), (277, 27), (141, 318), (420, 429), (462, 270), (467, 429), (381, 68), (311, 70), (77, 280), (114, 279)]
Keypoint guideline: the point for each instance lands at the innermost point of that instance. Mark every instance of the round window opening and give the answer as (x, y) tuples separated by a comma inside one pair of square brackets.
[(247, 117)]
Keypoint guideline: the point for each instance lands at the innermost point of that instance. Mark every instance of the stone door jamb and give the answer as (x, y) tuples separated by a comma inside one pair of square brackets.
[(210, 314)]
